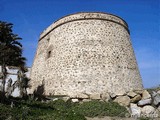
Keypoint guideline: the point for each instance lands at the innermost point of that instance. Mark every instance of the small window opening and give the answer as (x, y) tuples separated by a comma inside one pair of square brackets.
[(48, 39), (49, 54)]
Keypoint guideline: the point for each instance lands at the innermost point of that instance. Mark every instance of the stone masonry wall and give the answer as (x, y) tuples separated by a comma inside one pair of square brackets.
[(86, 53)]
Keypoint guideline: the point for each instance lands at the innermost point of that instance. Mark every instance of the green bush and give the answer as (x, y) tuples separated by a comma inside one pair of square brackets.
[(100, 108), (60, 110), (144, 118)]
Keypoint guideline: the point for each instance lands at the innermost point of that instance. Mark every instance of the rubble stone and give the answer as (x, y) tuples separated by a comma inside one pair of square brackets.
[(145, 95), (156, 98), (145, 102), (106, 97), (112, 95), (75, 100), (136, 99), (131, 94), (148, 111), (135, 110), (123, 100), (138, 91), (95, 96)]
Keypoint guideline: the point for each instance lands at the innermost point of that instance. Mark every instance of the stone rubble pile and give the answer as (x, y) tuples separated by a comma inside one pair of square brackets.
[(140, 103)]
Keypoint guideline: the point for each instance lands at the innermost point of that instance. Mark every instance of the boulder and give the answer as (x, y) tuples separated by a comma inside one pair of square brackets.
[(131, 94), (55, 99), (145, 95), (156, 98), (120, 93), (157, 113), (65, 98), (95, 96), (145, 102), (136, 99), (105, 97), (158, 108), (123, 100), (78, 95), (158, 91), (138, 91), (149, 111), (135, 110), (117, 93), (86, 100), (112, 95), (83, 96), (75, 100)]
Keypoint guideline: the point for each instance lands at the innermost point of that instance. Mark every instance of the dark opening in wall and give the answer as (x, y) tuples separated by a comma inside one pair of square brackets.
[(49, 54), (48, 39)]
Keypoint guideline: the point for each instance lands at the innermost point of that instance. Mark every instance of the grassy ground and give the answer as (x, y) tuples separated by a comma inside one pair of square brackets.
[(60, 110)]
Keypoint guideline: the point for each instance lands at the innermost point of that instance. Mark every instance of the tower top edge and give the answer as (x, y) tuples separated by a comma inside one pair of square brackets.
[(84, 16)]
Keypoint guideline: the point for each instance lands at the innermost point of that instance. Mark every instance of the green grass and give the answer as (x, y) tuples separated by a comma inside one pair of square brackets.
[(144, 118), (100, 108), (60, 110)]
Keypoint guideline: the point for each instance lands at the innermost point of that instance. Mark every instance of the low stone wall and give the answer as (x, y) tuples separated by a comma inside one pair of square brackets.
[(139, 103)]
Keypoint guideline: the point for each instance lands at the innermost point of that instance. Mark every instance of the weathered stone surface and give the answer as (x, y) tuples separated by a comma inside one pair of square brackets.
[(145, 95), (136, 99), (138, 91), (86, 100), (156, 98), (74, 94), (158, 108), (95, 96), (120, 92), (131, 94), (55, 99), (112, 95), (135, 110), (157, 113), (123, 100), (105, 96), (148, 111), (81, 95), (145, 102), (75, 100), (158, 91), (78, 58), (65, 98)]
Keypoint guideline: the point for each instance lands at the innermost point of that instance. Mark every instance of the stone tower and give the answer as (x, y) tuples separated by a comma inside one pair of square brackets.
[(86, 53)]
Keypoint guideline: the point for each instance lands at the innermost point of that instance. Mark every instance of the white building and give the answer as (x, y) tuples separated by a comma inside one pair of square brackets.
[(12, 73)]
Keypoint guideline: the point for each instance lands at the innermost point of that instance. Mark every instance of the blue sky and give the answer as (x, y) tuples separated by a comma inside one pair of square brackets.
[(31, 17)]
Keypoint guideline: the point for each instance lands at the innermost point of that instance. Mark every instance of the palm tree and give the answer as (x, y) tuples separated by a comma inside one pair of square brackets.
[(10, 50)]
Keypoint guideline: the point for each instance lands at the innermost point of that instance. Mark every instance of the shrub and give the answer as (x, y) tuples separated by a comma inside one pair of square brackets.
[(60, 110), (100, 108)]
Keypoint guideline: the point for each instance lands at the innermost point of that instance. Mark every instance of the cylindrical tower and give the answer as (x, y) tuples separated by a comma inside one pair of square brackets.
[(86, 53)]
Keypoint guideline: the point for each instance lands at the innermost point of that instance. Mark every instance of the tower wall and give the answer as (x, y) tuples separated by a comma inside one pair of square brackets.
[(86, 53)]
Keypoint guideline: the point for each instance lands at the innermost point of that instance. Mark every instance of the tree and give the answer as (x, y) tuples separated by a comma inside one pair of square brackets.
[(10, 50), (22, 83)]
